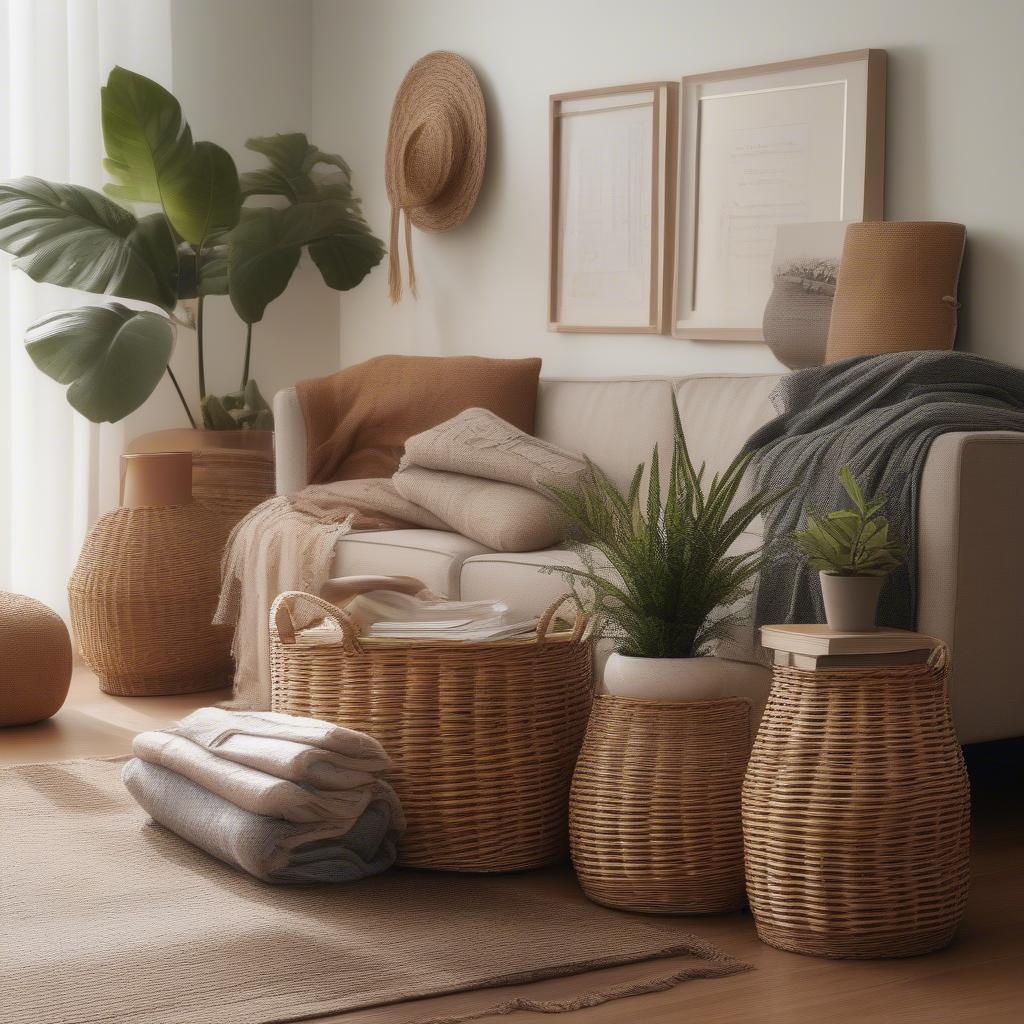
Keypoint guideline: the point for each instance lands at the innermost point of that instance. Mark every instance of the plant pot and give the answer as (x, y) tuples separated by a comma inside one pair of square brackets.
[(796, 319), (232, 470), (667, 679), (851, 602)]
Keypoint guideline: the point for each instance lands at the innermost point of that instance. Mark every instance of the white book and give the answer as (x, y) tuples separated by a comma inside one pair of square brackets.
[(821, 640)]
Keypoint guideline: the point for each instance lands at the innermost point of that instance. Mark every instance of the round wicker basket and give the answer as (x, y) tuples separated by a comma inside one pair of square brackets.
[(483, 736), (654, 816), (142, 599), (856, 813)]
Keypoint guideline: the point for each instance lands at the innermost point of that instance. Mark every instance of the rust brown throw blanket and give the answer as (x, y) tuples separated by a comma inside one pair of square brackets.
[(357, 422)]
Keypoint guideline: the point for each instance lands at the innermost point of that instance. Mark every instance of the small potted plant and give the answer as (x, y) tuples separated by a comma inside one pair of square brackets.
[(658, 576), (853, 552)]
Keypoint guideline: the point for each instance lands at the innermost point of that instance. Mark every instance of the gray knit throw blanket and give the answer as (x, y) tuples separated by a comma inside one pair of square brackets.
[(878, 415)]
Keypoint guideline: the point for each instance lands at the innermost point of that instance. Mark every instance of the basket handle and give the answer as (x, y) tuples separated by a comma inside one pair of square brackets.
[(344, 587), (580, 627), (940, 657), (284, 623)]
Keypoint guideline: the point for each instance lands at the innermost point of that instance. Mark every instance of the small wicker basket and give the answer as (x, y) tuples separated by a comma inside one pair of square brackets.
[(483, 736), (856, 814), (654, 815)]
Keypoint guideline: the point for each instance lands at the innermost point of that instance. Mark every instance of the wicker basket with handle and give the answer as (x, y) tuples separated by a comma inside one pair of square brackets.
[(483, 736), (856, 813), (654, 814)]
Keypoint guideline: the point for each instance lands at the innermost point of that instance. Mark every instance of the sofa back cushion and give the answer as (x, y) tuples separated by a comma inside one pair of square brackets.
[(614, 422)]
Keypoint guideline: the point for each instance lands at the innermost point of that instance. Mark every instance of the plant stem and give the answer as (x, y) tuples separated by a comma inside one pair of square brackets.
[(177, 387), (248, 352), (199, 347)]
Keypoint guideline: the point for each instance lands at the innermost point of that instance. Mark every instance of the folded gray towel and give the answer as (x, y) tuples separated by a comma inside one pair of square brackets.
[(268, 848)]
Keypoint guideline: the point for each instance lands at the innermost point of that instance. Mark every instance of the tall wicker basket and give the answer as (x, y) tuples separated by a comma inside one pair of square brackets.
[(856, 812), (654, 816), (483, 736)]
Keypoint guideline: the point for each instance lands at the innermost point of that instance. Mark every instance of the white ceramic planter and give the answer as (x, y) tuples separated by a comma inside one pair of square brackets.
[(851, 602), (667, 679)]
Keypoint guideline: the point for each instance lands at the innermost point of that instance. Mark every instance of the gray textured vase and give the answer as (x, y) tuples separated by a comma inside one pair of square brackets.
[(796, 319), (851, 602)]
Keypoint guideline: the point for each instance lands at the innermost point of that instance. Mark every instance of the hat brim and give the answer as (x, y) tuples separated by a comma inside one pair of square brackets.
[(440, 76)]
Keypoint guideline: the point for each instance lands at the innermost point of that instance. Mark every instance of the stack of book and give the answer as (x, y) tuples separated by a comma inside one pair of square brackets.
[(469, 630), (818, 647)]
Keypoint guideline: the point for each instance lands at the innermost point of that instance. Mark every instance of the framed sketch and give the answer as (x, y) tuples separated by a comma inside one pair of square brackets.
[(613, 192), (785, 143)]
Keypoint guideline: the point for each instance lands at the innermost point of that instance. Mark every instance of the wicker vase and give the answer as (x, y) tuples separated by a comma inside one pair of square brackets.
[(654, 818), (482, 736), (145, 588), (856, 813)]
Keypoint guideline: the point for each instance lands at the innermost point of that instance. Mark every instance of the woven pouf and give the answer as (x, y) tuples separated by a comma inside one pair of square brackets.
[(654, 815), (35, 660), (142, 599), (856, 813)]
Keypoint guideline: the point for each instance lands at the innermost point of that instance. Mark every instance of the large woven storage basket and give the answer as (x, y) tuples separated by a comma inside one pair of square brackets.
[(483, 736), (856, 813), (654, 816)]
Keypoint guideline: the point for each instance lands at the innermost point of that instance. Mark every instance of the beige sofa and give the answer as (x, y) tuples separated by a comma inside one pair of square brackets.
[(971, 550)]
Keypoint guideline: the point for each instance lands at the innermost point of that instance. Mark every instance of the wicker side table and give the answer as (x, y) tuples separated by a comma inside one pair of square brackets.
[(654, 812), (856, 812)]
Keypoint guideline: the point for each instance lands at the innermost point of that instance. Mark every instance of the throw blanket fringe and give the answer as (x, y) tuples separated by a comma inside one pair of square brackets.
[(878, 415)]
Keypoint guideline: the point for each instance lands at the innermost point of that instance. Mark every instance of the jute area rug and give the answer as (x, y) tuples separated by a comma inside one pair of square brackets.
[(107, 917)]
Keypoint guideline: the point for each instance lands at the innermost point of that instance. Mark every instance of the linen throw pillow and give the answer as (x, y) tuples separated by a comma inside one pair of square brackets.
[(501, 516), (358, 419), (487, 480), (479, 443)]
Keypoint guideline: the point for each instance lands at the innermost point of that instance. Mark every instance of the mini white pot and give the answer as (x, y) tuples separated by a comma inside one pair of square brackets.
[(851, 602), (667, 679)]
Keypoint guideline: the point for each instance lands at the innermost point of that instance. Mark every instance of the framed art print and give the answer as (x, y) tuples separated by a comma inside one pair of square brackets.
[(613, 166), (801, 141)]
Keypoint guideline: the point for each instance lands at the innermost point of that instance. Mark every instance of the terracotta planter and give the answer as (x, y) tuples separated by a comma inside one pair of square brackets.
[(851, 602), (666, 679), (232, 470)]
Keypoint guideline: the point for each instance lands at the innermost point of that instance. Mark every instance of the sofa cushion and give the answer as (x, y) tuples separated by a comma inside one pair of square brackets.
[(517, 579), (433, 556), (719, 414), (614, 422)]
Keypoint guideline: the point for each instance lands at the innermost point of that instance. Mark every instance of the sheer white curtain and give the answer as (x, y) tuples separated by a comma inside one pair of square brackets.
[(58, 472)]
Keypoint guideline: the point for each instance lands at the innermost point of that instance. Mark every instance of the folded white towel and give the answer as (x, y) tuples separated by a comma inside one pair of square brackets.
[(290, 747), (263, 793)]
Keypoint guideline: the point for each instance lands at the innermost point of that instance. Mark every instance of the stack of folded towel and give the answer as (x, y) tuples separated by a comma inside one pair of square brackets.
[(287, 799)]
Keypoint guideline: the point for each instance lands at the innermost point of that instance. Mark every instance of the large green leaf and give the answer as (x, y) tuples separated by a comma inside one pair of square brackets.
[(266, 245), (112, 356), (77, 238), (292, 159), (206, 276), (153, 159)]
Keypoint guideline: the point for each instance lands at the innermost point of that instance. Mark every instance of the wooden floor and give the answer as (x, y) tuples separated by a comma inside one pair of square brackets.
[(978, 980)]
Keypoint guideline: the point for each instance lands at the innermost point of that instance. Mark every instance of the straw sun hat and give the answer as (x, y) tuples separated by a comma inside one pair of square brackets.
[(437, 145)]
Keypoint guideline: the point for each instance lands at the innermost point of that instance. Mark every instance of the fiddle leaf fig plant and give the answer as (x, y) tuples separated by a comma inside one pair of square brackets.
[(190, 239), (851, 541)]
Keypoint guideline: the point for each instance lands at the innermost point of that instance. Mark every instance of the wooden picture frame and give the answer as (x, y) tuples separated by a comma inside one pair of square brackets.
[(800, 140), (612, 264)]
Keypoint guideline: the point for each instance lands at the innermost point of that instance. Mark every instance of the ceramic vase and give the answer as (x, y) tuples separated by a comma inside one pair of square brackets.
[(851, 602)]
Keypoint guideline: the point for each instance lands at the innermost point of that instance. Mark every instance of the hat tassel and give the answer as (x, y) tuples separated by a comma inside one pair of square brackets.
[(408, 255), (394, 261)]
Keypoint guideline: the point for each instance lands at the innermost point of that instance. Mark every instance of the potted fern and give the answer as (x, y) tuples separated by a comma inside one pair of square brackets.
[(658, 575), (853, 552)]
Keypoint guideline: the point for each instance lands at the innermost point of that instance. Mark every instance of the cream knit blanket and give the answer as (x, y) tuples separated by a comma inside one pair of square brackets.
[(288, 543)]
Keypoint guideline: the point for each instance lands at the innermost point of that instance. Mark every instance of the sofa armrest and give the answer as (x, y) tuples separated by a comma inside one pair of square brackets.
[(289, 443), (970, 575)]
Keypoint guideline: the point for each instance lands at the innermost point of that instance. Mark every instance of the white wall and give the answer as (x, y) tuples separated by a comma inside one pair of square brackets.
[(955, 149), (242, 68)]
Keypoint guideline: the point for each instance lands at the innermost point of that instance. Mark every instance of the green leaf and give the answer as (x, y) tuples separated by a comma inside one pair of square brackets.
[(152, 158), (208, 275), (77, 238), (292, 159), (266, 245), (246, 409), (112, 356)]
